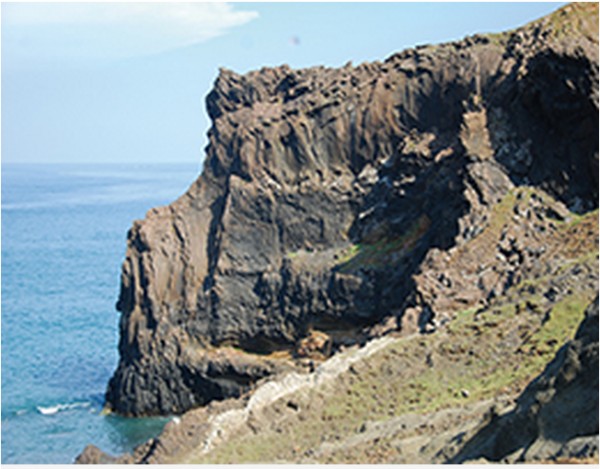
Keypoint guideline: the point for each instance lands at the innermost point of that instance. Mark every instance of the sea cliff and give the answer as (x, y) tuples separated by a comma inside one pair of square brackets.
[(340, 205)]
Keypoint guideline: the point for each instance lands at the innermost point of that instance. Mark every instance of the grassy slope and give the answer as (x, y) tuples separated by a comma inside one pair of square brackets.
[(419, 374), (573, 20)]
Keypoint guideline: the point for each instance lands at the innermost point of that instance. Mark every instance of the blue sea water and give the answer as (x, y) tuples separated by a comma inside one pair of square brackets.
[(63, 241)]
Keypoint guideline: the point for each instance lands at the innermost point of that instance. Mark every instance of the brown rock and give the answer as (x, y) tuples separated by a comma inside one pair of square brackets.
[(93, 455)]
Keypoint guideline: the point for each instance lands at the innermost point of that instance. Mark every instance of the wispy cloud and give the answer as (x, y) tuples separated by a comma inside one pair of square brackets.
[(116, 29)]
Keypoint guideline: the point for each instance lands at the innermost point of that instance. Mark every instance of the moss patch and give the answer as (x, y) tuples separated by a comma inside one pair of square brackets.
[(384, 252)]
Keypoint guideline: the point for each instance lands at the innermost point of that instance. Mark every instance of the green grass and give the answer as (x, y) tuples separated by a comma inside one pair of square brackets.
[(576, 219), (570, 21), (498, 39), (574, 20), (384, 251), (565, 317), (349, 253), (293, 254)]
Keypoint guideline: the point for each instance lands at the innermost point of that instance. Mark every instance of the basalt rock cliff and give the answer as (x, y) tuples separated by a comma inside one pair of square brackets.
[(336, 205)]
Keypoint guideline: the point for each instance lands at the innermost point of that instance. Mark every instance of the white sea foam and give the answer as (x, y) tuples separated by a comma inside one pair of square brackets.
[(61, 407)]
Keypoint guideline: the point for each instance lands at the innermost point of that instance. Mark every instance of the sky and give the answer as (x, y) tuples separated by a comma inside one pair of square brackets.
[(126, 82)]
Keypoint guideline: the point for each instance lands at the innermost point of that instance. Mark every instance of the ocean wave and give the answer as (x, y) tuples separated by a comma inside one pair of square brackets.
[(51, 410)]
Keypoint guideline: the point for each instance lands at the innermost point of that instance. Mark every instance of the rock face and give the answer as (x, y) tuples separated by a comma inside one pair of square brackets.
[(336, 204), (556, 416)]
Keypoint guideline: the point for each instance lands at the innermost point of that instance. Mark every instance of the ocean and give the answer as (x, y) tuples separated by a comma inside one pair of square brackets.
[(64, 233)]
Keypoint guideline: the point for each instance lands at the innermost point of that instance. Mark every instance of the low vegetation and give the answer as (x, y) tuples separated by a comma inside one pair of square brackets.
[(384, 251)]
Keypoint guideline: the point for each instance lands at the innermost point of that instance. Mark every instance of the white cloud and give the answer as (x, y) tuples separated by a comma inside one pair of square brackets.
[(118, 29)]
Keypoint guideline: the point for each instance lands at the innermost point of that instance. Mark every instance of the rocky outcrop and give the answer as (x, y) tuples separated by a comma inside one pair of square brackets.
[(335, 205), (556, 416), (93, 455)]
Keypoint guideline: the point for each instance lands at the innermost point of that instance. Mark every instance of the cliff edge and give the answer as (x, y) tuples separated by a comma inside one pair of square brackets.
[(337, 205)]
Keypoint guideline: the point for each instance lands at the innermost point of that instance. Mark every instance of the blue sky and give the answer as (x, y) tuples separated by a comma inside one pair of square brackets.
[(91, 83)]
